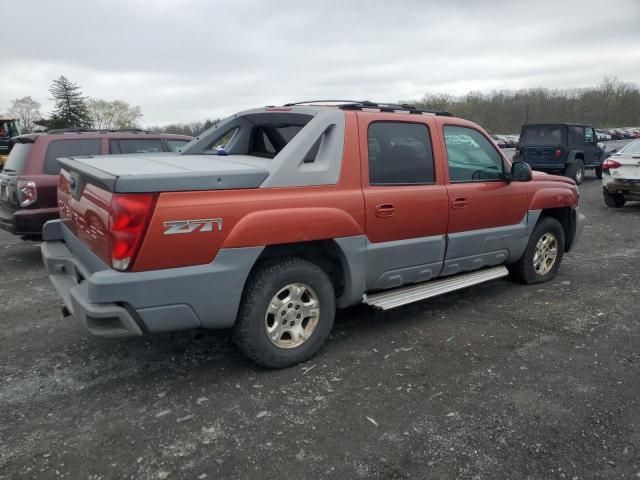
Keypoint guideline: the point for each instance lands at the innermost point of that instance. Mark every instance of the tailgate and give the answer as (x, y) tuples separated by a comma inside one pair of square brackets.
[(540, 156), (84, 209)]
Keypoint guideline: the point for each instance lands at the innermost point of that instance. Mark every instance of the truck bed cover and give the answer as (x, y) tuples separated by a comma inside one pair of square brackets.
[(168, 173)]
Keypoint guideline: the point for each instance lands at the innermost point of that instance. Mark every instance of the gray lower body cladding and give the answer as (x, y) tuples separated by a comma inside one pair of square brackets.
[(112, 304)]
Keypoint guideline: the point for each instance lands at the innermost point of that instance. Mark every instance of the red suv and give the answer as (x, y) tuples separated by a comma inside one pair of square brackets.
[(30, 176)]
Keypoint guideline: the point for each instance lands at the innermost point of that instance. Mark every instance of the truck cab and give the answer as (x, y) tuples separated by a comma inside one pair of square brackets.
[(276, 216)]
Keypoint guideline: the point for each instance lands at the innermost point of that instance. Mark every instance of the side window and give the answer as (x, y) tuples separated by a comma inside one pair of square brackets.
[(471, 156), (174, 145), (69, 148), (576, 136), (136, 145), (588, 135), (400, 153)]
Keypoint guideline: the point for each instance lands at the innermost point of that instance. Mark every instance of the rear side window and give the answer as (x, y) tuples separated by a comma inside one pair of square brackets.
[(399, 154), (174, 145), (471, 156), (17, 160), (542, 136), (81, 147), (136, 145), (576, 136)]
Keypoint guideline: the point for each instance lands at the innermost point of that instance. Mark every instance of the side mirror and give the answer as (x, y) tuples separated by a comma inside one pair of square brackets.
[(520, 172)]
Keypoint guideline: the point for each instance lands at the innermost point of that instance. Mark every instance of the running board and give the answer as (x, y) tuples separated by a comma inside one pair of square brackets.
[(414, 293)]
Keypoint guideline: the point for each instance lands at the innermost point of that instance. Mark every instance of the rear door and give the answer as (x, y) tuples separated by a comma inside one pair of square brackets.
[(487, 214), (405, 199)]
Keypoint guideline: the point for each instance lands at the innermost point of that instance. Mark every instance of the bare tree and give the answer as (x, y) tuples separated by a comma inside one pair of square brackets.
[(113, 115), (27, 110)]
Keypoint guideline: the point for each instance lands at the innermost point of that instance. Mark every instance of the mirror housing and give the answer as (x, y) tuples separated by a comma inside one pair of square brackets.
[(520, 172)]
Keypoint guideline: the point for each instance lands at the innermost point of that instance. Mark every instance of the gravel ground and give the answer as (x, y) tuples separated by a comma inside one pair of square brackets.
[(496, 381)]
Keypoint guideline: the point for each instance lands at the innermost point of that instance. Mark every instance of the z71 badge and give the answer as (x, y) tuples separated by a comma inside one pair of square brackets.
[(190, 226)]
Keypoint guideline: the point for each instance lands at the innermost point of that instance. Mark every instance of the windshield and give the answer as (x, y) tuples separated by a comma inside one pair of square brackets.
[(17, 160), (542, 135), (631, 148)]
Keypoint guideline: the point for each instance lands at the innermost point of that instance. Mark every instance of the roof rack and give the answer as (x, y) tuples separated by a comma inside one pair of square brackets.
[(382, 106), (71, 130), (95, 130)]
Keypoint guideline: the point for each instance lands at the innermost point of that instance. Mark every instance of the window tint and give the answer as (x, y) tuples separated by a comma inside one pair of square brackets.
[(136, 145), (399, 154), (576, 136), (69, 148), (17, 160), (542, 136), (471, 156), (174, 145)]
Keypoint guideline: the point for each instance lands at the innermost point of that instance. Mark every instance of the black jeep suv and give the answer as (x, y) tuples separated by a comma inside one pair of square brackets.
[(560, 147)]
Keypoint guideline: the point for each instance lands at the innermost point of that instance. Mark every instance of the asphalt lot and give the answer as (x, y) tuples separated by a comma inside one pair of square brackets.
[(498, 381)]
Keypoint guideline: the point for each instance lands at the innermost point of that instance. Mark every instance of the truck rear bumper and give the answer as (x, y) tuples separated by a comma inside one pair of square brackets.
[(117, 304)]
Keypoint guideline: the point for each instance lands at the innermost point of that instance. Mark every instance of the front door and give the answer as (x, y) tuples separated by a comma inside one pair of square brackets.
[(487, 214), (405, 200), (591, 150)]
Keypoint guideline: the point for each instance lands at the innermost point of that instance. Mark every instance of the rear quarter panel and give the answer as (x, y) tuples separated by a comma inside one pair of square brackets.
[(257, 217)]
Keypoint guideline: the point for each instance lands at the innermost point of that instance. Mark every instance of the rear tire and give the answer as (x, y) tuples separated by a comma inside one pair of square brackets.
[(613, 200), (286, 313), (543, 255), (575, 171), (598, 171)]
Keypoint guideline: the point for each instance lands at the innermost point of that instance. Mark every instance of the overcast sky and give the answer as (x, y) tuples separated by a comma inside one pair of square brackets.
[(189, 60)]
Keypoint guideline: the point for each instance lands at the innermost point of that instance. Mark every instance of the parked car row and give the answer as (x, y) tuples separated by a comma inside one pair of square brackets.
[(506, 141), (29, 180), (618, 133)]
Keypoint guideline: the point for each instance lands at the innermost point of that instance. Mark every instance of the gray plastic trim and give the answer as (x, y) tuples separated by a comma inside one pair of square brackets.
[(391, 264), (212, 292)]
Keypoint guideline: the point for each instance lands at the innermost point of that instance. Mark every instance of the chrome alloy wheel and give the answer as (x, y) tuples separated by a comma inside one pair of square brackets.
[(544, 257), (292, 315)]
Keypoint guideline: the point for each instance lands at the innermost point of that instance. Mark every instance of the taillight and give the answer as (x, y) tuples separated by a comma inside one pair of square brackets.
[(517, 154), (128, 219), (27, 192), (557, 152), (608, 164)]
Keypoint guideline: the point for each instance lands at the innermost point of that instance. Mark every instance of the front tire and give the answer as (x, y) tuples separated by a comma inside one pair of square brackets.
[(543, 254), (286, 313), (575, 171)]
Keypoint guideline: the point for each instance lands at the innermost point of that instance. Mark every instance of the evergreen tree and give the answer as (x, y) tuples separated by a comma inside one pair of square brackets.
[(70, 108)]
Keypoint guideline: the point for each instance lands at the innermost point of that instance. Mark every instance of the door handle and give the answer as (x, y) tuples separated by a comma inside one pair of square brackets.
[(459, 202), (385, 210)]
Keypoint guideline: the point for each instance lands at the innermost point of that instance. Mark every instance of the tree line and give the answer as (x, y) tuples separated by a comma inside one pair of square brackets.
[(73, 110), (612, 103)]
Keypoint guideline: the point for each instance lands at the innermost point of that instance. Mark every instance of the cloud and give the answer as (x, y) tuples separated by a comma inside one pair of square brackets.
[(190, 60)]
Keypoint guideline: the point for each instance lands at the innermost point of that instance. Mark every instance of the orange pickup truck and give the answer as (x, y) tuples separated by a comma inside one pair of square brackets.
[(276, 216)]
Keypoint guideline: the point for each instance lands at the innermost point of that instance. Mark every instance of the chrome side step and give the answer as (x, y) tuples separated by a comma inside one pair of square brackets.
[(414, 293)]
